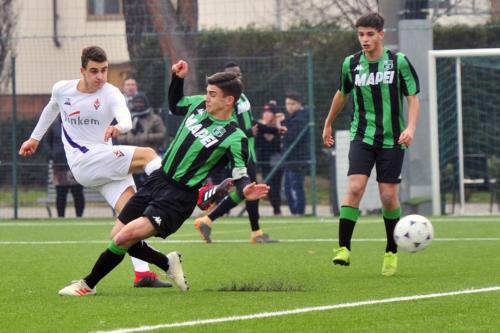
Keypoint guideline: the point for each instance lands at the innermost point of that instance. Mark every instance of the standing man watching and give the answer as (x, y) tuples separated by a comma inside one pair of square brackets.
[(378, 79)]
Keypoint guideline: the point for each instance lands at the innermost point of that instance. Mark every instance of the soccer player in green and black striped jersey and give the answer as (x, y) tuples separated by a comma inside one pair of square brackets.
[(242, 114), (378, 79), (207, 137)]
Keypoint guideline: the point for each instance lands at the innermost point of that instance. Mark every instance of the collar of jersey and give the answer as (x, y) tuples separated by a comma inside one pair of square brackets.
[(375, 61), (215, 120)]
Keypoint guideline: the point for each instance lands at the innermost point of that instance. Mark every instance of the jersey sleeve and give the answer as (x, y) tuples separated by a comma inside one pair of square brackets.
[(346, 84), (49, 114), (120, 111), (239, 156), (408, 76)]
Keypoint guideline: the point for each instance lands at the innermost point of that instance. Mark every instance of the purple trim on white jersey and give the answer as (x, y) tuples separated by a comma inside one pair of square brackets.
[(73, 144)]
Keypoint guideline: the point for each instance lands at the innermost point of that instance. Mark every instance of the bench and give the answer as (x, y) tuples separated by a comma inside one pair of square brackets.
[(91, 195)]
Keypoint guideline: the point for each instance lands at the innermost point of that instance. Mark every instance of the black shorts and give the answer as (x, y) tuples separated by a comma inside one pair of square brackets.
[(165, 203), (388, 161)]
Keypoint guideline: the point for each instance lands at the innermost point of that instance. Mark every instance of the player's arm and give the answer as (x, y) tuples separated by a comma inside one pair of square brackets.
[(410, 87), (337, 105), (122, 115), (406, 137), (244, 187), (176, 88), (49, 114), (338, 101)]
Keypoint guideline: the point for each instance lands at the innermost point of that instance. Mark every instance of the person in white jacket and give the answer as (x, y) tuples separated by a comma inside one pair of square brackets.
[(87, 107)]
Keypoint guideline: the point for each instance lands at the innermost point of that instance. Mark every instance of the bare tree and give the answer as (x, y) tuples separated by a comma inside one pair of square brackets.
[(173, 26), (345, 13), (342, 13), (8, 19)]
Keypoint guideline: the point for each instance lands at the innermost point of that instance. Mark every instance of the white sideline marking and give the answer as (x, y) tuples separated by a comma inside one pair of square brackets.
[(193, 241), (301, 310), (237, 221)]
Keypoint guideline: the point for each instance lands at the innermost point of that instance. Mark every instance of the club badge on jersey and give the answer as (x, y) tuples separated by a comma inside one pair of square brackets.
[(97, 104), (118, 153)]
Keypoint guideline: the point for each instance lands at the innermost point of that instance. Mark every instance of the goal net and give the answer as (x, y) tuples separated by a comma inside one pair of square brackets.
[(465, 130)]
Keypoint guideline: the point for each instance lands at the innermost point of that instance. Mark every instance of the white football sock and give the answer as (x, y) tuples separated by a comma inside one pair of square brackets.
[(153, 165), (140, 265)]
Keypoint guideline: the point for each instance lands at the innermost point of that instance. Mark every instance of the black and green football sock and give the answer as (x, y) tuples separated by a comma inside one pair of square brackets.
[(348, 218), (142, 250), (391, 218), (106, 262), (229, 202)]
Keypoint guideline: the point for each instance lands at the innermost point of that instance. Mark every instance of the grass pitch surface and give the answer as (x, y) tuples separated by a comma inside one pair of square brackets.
[(452, 286)]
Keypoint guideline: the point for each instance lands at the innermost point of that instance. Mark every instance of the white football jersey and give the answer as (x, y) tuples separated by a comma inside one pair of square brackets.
[(85, 116)]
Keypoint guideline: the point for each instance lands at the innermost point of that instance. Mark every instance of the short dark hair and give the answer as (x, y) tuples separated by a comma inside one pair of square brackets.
[(94, 53), (230, 64), (372, 20), (294, 95), (228, 82)]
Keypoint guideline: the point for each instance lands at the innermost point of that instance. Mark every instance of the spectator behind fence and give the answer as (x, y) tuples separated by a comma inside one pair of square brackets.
[(62, 177), (147, 130), (296, 162), (269, 153), (130, 89)]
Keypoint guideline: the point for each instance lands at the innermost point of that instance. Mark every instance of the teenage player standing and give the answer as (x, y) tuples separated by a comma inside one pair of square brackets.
[(378, 79)]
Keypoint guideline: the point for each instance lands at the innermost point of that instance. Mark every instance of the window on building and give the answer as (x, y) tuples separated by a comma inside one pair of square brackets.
[(105, 9)]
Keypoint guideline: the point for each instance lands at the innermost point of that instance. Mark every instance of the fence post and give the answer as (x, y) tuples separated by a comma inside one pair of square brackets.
[(165, 109), (14, 139), (312, 136)]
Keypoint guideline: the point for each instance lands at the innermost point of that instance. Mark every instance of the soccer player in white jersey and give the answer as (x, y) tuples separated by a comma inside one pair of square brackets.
[(87, 107)]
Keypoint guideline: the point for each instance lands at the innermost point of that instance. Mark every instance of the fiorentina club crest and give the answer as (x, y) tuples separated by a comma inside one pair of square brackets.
[(97, 104), (118, 153)]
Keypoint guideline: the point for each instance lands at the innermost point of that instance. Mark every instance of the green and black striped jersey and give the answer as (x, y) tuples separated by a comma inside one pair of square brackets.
[(378, 88), (203, 143), (242, 114)]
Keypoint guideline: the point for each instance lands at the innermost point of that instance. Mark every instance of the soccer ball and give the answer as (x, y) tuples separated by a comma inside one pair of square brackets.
[(413, 233)]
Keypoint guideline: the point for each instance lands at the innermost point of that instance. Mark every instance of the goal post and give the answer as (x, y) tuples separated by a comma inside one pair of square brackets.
[(458, 56)]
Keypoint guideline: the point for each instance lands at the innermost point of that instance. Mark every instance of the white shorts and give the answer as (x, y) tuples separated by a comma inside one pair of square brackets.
[(113, 190), (107, 168)]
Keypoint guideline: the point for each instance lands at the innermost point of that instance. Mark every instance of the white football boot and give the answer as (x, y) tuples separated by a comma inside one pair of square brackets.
[(175, 271), (77, 288)]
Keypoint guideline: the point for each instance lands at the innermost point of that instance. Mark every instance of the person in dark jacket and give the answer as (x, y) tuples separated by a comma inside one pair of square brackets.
[(295, 166), (62, 177), (269, 152), (147, 130)]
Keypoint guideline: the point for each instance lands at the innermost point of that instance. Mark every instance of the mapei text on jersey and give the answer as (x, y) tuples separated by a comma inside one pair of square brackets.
[(207, 139), (372, 79)]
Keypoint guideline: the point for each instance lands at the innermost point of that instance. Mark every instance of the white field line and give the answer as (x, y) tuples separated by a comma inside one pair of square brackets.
[(196, 241), (238, 221), (301, 310)]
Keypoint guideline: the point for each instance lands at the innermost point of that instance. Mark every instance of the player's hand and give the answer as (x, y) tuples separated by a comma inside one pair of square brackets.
[(180, 69), (327, 136), (280, 116), (406, 137), (255, 191), (255, 129), (112, 132), (282, 130), (29, 147)]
